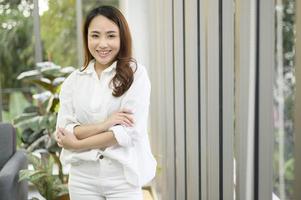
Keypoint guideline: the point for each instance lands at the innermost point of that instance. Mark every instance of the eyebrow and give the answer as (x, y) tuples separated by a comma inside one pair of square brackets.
[(108, 32)]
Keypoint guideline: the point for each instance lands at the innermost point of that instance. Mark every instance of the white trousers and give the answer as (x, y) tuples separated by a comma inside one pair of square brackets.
[(101, 180)]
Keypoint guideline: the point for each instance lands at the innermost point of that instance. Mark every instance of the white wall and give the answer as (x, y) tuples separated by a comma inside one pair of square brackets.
[(136, 13)]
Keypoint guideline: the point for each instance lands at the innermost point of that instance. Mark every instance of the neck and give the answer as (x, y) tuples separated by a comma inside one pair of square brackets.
[(99, 68)]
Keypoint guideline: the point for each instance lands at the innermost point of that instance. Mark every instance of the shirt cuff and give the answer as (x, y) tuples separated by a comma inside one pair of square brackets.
[(121, 135)]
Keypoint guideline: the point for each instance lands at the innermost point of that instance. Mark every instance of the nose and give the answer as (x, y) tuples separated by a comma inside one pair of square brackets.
[(102, 42)]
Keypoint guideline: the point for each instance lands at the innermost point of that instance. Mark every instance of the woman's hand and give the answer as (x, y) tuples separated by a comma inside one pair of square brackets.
[(66, 139), (123, 117)]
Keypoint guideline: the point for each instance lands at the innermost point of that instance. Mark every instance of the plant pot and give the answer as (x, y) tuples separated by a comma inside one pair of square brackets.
[(65, 197)]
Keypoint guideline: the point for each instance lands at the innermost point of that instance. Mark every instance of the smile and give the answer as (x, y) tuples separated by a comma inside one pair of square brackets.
[(103, 53)]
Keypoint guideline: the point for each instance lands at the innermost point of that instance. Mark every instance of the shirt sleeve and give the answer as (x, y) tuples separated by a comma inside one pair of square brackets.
[(136, 99), (66, 117)]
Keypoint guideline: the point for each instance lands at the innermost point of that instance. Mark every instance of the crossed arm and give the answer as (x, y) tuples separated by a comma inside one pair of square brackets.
[(91, 136), (96, 135)]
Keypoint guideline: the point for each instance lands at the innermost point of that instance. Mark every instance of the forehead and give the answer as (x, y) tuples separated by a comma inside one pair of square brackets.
[(102, 24)]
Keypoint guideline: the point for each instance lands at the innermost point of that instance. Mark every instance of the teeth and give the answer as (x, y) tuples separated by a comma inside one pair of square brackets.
[(103, 53)]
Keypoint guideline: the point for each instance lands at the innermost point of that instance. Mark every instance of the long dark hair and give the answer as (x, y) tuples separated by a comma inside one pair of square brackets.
[(124, 76)]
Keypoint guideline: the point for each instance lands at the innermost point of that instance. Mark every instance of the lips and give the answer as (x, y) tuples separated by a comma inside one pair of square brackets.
[(102, 53)]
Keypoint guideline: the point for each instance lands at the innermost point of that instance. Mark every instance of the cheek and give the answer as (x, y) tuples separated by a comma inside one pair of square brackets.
[(117, 45), (91, 44)]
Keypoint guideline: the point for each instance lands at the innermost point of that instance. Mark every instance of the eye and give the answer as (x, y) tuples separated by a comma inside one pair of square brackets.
[(111, 36), (94, 36)]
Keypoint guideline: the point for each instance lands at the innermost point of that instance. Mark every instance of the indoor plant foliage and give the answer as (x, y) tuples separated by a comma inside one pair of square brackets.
[(36, 126), (48, 185)]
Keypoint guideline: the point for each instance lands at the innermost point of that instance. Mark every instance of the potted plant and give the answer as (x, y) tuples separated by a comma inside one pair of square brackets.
[(41, 176), (36, 126)]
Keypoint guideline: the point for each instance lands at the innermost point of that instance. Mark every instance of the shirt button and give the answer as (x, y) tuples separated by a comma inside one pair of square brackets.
[(100, 157)]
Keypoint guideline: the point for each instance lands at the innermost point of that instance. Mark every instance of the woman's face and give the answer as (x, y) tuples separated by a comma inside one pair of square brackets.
[(103, 41)]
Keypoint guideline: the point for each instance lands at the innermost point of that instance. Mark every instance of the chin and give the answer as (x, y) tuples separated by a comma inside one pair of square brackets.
[(105, 63)]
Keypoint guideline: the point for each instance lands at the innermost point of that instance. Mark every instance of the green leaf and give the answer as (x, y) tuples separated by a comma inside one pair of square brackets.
[(29, 74), (29, 136), (17, 103), (44, 84), (34, 198), (23, 117), (289, 169), (61, 189), (31, 175), (35, 161), (52, 104)]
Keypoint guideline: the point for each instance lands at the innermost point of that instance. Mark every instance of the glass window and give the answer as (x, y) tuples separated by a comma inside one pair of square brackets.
[(16, 55), (58, 36), (284, 97)]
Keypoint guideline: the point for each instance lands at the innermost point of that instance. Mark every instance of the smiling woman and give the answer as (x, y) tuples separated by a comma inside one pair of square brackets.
[(104, 41), (102, 121)]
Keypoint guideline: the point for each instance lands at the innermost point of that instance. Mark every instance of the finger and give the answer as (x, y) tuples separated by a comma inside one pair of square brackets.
[(128, 122), (61, 131), (129, 117), (124, 121), (56, 138), (59, 143), (59, 134), (125, 110)]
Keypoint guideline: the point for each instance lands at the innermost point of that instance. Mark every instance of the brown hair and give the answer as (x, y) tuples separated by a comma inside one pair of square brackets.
[(124, 76)]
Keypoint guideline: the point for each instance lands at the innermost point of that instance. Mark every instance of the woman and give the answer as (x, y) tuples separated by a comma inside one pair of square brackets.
[(102, 121)]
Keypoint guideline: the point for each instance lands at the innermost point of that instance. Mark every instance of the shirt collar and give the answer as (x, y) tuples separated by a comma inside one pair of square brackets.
[(111, 68), (90, 68)]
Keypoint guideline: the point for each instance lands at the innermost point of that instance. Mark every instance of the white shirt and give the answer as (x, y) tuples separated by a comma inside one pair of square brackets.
[(85, 99)]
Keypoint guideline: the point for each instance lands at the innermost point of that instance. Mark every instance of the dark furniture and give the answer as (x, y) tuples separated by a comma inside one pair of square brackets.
[(11, 161)]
